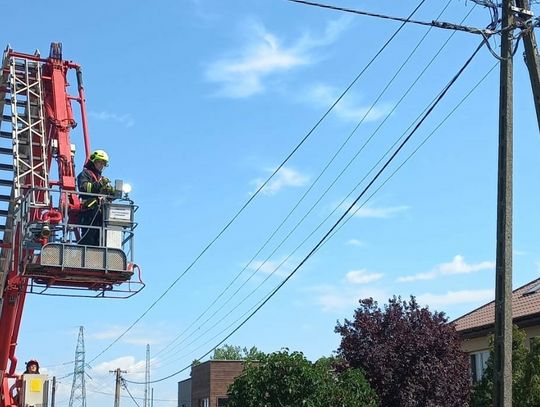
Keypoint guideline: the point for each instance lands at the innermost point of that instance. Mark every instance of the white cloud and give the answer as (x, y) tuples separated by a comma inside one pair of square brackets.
[(362, 277), (332, 298), (348, 108), (286, 177), (384, 213), (243, 74), (125, 119), (136, 337), (271, 267), (459, 266), (135, 367), (456, 297), (417, 277), (456, 266), (355, 242)]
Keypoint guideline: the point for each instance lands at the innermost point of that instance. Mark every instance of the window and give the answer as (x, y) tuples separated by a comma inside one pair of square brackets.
[(222, 401), (204, 402), (478, 364)]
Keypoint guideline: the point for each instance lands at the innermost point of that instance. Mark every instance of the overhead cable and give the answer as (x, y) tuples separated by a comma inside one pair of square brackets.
[(169, 288), (124, 385), (434, 23), (347, 212), (417, 78)]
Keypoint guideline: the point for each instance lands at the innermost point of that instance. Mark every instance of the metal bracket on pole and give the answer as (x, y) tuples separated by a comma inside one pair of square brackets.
[(532, 60)]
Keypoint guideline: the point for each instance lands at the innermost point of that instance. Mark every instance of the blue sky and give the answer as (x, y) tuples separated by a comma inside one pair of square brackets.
[(198, 101)]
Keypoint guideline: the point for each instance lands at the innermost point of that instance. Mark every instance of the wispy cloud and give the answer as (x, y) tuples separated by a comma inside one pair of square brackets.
[(456, 297), (286, 177), (362, 277), (137, 337), (417, 277), (271, 267), (355, 242), (124, 119), (127, 363), (244, 73), (349, 108), (333, 298), (458, 265), (383, 213)]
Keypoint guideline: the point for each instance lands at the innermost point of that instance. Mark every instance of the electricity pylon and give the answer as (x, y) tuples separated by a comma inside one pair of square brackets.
[(78, 389), (147, 378)]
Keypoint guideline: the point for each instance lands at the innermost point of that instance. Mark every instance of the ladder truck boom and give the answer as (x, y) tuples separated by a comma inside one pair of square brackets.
[(40, 208)]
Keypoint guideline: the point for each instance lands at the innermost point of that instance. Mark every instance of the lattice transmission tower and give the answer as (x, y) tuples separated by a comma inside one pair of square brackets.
[(78, 388), (147, 378)]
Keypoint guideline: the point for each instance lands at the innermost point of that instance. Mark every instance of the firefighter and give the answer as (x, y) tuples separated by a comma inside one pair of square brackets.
[(32, 367), (91, 180)]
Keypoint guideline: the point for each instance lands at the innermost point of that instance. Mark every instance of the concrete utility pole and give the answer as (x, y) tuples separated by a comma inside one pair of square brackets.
[(118, 373), (502, 380)]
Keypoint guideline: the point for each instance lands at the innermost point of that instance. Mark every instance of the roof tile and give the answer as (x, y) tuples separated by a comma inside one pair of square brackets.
[(523, 304)]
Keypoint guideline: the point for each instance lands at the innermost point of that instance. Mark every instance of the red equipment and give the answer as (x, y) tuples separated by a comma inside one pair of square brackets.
[(39, 251)]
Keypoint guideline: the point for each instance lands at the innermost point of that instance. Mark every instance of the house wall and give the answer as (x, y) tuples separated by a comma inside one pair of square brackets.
[(200, 383), (482, 343), (184, 393), (222, 375), (211, 380)]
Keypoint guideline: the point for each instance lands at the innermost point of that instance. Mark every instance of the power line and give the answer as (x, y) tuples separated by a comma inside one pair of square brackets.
[(417, 78), (366, 114), (124, 385), (344, 199), (434, 23), (351, 207), (136, 398), (169, 288)]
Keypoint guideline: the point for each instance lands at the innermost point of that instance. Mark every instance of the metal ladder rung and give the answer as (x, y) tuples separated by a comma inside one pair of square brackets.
[(21, 103)]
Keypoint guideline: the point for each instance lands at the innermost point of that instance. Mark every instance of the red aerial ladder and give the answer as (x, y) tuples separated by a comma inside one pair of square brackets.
[(39, 208)]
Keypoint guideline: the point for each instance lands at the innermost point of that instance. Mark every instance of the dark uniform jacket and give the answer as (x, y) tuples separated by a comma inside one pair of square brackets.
[(89, 180)]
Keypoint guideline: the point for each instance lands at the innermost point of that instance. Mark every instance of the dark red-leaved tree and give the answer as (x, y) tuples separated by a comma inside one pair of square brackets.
[(410, 355)]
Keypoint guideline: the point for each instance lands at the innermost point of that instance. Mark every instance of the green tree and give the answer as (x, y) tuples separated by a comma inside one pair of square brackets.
[(284, 379), (230, 352), (525, 374)]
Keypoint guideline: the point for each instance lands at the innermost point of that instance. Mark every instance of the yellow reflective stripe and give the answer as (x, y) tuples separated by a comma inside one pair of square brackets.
[(88, 187), (92, 203)]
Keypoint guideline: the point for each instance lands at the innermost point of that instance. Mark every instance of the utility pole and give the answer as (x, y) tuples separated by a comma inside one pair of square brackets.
[(502, 380), (118, 373)]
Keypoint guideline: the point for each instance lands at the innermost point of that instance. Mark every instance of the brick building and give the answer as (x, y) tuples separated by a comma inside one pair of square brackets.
[(209, 383)]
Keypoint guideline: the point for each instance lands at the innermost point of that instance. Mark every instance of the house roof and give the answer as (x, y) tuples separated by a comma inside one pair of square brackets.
[(525, 303)]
